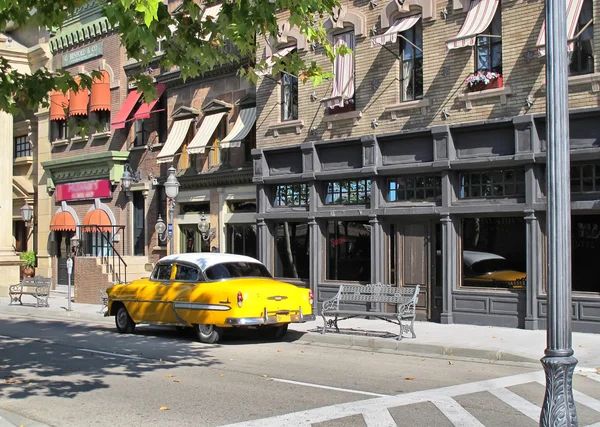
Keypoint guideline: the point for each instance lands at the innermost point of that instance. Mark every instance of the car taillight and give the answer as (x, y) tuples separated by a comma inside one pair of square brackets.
[(311, 297), (240, 299)]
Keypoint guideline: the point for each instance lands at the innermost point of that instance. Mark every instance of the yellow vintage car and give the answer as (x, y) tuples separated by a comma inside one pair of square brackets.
[(486, 269), (210, 292)]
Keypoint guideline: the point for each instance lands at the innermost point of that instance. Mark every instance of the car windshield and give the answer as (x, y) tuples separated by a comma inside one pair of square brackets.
[(490, 265), (228, 270)]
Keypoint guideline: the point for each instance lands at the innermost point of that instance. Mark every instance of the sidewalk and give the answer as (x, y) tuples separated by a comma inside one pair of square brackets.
[(481, 342)]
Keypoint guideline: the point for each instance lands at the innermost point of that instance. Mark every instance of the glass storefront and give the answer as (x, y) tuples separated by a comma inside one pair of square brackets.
[(292, 249), (585, 247), (241, 239), (348, 250)]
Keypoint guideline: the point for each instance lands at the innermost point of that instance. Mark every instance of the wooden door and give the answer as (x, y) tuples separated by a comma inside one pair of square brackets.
[(414, 262), (139, 224)]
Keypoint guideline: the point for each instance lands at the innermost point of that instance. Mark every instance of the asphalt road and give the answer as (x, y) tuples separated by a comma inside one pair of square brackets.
[(82, 374)]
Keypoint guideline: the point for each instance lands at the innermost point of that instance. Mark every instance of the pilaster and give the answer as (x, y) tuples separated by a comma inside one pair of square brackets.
[(450, 270), (534, 269)]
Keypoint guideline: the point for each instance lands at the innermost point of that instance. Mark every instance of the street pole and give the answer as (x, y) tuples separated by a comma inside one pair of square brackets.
[(171, 226), (69, 281), (559, 407)]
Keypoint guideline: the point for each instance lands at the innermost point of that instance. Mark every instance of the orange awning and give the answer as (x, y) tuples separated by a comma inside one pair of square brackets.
[(78, 102), (62, 221), (100, 97), (99, 218), (58, 103)]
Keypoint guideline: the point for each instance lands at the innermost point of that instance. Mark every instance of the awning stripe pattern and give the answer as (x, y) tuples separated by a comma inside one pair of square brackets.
[(128, 106), (241, 128), (100, 96), (205, 133), (391, 35), (62, 221), (480, 16), (271, 61), (179, 131), (144, 111), (573, 12), (343, 68), (59, 102)]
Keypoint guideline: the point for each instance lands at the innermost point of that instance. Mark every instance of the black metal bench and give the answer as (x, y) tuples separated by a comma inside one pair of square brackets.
[(405, 300), (38, 287)]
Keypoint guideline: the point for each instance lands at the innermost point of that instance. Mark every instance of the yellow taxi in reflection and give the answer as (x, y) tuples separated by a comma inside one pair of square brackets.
[(210, 292), (491, 270)]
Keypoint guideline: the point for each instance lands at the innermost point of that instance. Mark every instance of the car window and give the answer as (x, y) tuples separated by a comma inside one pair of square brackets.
[(228, 270), (490, 265), (186, 273), (162, 272)]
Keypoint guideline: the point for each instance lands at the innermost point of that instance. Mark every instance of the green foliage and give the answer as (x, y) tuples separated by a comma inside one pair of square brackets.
[(28, 258), (196, 45)]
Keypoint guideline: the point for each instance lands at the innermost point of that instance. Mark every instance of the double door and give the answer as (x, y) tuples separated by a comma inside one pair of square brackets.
[(63, 252)]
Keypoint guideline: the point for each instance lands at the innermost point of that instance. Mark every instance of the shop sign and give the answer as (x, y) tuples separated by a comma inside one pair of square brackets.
[(83, 54), (97, 189)]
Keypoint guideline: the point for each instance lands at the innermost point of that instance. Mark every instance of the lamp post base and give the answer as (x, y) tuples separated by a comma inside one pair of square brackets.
[(559, 406)]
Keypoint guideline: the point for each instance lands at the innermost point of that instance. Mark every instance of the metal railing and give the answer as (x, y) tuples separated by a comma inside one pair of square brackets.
[(97, 241)]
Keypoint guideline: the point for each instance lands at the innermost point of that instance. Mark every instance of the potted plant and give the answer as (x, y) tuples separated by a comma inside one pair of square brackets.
[(28, 266), (482, 80)]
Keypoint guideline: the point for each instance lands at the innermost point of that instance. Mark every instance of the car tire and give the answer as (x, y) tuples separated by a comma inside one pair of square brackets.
[(276, 332), (208, 334), (124, 322)]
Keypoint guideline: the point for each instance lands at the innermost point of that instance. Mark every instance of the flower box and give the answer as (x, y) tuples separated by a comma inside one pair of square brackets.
[(493, 84), (482, 80)]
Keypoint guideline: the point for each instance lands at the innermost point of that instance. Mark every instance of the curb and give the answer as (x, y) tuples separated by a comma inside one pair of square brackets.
[(10, 419), (44, 313)]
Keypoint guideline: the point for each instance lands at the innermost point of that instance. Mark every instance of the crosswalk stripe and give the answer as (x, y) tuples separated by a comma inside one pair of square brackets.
[(457, 415), (593, 425), (586, 400), (522, 405), (379, 418), (594, 377), (326, 387)]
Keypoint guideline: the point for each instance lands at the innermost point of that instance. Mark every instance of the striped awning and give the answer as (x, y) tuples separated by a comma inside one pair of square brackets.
[(343, 68), (146, 108), (205, 133), (573, 11), (391, 35), (241, 128), (480, 16), (176, 137), (271, 62)]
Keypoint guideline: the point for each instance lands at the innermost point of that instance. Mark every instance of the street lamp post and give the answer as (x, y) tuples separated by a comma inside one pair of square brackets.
[(171, 190), (559, 363)]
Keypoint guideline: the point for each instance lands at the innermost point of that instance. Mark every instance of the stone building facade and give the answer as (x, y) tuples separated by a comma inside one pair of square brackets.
[(398, 171)]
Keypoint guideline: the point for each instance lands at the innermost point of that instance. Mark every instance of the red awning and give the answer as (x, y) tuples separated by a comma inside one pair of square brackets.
[(97, 220), (128, 106), (144, 111), (62, 221)]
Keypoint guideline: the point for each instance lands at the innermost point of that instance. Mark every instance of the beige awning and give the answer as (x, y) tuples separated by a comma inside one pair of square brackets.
[(241, 128), (176, 137), (205, 133)]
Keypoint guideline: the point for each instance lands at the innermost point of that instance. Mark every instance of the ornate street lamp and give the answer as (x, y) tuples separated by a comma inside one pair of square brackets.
[(128, 177), (204, 228), (171, 190), (160, 228), (26, 213)]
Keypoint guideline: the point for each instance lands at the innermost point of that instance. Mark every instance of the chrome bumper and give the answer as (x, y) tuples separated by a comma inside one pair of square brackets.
[(296, 316)]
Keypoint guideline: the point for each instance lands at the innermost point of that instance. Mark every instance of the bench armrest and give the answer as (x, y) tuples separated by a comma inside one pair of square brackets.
[(42, 290), (15, 288), (332, 303)]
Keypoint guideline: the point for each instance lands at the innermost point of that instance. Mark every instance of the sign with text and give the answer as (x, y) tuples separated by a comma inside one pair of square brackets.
[(170, 230), (83, 54), (97, 189)]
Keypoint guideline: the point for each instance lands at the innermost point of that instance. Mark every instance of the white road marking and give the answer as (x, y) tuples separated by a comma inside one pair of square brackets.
[(586, 400), (326, 387), (106, 353), (380, 418), (593, 425), (457, 415), (522, 405), (594, 377)]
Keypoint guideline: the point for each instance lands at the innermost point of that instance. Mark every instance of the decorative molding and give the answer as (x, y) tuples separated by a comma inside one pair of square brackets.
[(22, 128), (351, 115), (104, 66), (216, 178), (592, 79), (102, 165), (60, 142), (297, 125), (286, 34), (98, 136), (101, 206), (185, 113), (64, 207), (462, 5), (469, 97), (423, 104), (81, 33), (78, 139), (25, 160), (216, 106), (394, 10), (344, 16)]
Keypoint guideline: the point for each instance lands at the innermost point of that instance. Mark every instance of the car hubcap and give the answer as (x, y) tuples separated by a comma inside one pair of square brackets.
[(206, 329), (122, 318)]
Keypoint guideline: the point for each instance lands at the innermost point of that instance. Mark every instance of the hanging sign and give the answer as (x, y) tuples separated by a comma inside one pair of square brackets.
[(83, 190)]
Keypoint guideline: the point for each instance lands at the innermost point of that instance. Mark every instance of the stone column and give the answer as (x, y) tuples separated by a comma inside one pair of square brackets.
[(44, 206), (450, 271), (534, 266), (377, 250), (9, 262), (262, 234), (313, 235)]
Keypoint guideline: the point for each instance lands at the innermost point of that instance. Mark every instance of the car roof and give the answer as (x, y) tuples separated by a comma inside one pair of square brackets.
[(205, 260), (471, 257)]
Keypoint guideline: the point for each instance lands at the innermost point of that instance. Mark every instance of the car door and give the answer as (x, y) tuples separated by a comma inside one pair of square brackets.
[(185, 277), (151, 295)]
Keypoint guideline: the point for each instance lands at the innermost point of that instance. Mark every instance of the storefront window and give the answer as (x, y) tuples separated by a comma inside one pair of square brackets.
[(241, 239), (291, 195), (414, 188), (494, 252), (585, 178), (585, 234), (349, 250), (98, 243), (292, 249), (488, 184), (348, 192)]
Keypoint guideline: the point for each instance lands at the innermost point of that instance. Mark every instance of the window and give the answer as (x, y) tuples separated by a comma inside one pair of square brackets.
[(249, 143), (102, 121), (228, 270), (585, 247), (499, 183), (22, 146), (343, 69), (292, 249), (98, 242), (489, 46), (348, 250), (585, 179), (215, 154), (59, 130), (411, 71), (241, 239), (186, 273), (162, 272), (80, 126), (494, 252), (414, 188), (289, 97), (348, 192), (140, 133), (291, 195), (581, 59), (161, 110)]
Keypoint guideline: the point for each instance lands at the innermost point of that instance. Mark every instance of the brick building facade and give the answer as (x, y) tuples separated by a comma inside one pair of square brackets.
[(397, 171)]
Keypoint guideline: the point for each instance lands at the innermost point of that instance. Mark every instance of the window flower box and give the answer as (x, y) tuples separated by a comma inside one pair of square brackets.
[(483, 80)]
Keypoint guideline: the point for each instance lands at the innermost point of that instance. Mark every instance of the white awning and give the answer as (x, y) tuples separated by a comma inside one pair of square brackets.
[(241, 128), (271, 62), (480, 16), (176, 137), (205, 133), (573, 12), (391, 35)]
